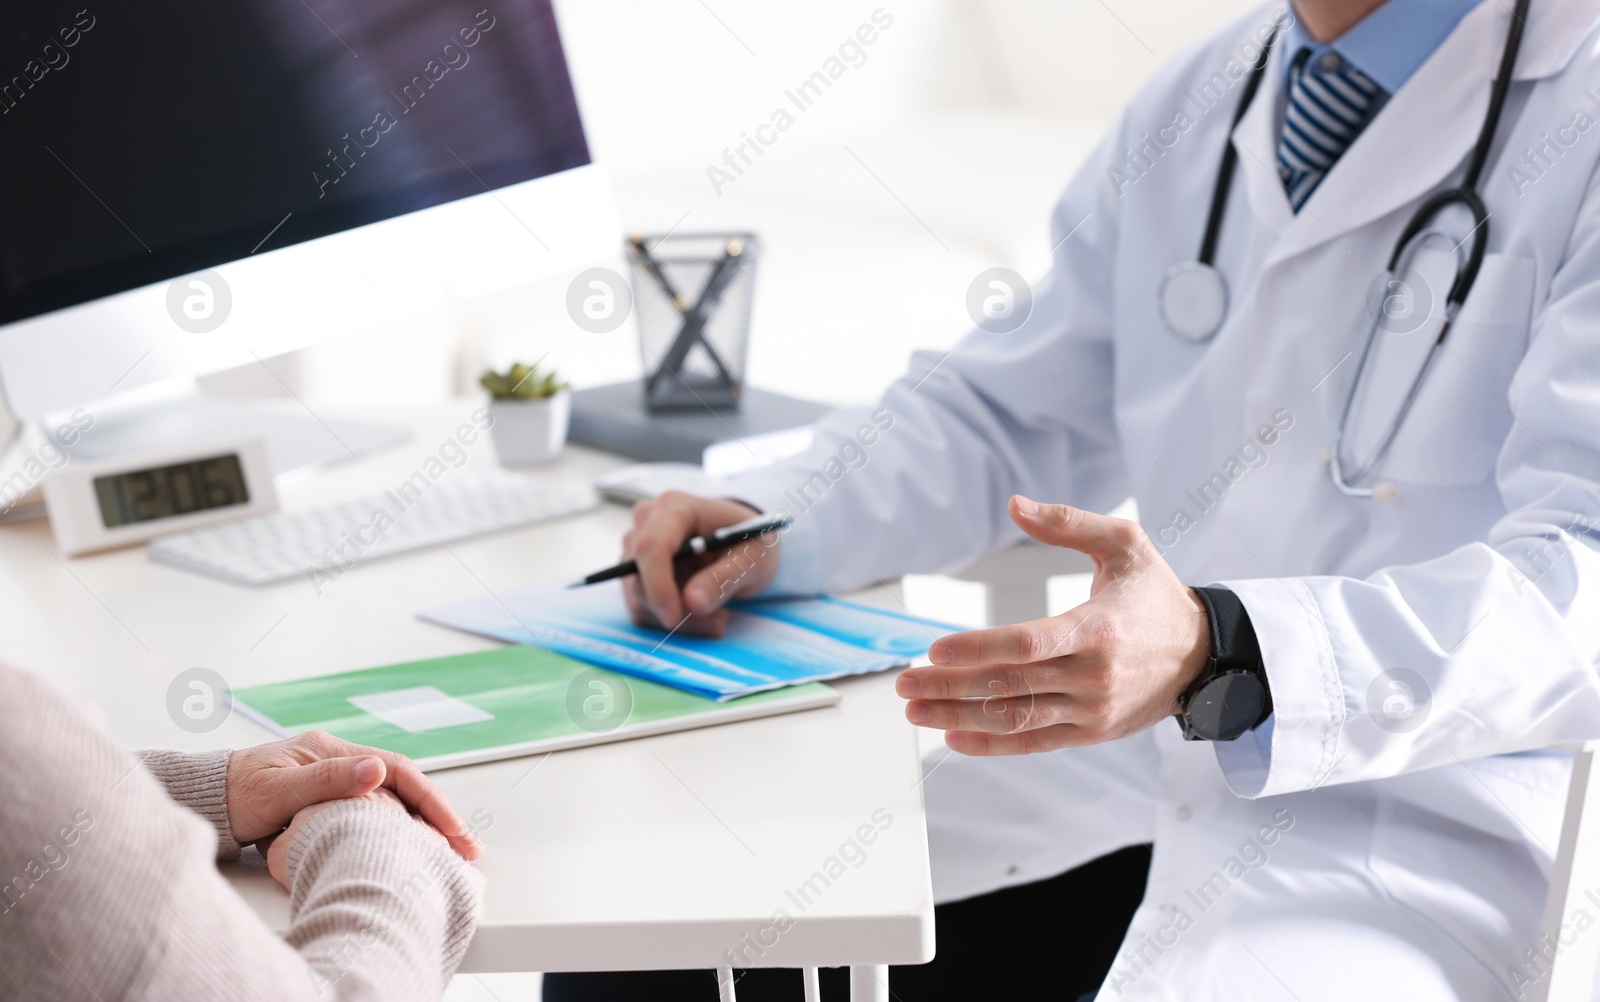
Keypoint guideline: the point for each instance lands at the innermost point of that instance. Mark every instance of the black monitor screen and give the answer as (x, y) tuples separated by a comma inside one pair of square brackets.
[(144, 141)]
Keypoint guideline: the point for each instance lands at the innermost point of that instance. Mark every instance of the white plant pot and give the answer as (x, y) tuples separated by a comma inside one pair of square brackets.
[(527, 432)]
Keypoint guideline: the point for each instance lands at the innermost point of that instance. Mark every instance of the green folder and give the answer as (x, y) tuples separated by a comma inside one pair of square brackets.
[(497, 704)]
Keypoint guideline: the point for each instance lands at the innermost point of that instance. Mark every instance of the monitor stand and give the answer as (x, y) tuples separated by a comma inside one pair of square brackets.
[(299, 441)]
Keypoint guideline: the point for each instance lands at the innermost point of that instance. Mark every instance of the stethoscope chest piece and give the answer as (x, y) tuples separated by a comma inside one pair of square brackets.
[(1194, 299)]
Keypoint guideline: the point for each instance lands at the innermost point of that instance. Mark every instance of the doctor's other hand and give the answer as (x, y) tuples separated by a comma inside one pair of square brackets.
[(270, 785), (1111, 667), (689, 595)]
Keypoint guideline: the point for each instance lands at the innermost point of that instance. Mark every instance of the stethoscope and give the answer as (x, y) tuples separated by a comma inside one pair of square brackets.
[(1194, 295)]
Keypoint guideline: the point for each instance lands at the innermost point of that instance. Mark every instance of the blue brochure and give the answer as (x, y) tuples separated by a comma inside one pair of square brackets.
[(769, 644)]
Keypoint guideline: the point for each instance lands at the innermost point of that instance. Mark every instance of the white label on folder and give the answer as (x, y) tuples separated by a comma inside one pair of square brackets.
[(422, 708)]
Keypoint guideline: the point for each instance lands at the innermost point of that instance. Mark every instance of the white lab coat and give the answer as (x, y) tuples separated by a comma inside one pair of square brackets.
[(1327, 854)]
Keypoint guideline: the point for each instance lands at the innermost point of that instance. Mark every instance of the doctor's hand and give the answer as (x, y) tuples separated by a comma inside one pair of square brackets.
[(689, 595), (1111, 667)]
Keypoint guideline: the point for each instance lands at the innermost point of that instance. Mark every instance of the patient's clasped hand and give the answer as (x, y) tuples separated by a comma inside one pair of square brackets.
[(129, 903)]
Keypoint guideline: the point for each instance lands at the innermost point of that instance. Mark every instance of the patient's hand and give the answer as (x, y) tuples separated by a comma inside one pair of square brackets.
[(271, 785), (276, 847)]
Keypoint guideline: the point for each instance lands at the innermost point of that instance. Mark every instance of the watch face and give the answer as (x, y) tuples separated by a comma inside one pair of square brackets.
[(1226, 706)]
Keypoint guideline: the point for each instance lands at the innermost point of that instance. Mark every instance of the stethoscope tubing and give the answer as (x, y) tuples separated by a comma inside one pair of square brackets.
[(1416, 231), (1347, 481)]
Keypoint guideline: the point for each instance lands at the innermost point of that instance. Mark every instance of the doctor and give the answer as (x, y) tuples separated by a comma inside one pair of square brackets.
[(1365, 583)]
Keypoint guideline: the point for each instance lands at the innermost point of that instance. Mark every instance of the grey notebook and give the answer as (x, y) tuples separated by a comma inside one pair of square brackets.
[(614, 418)]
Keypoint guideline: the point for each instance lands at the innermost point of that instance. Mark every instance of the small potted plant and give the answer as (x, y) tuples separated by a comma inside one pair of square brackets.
[(530, 410)]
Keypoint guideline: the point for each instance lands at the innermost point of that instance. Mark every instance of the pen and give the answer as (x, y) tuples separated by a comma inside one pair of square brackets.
[(721, 539)]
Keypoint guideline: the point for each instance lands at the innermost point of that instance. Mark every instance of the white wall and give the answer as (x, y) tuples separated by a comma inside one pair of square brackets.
[(937, 157)]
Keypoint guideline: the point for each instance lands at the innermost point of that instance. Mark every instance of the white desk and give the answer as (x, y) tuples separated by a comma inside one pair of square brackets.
[(663, 852)]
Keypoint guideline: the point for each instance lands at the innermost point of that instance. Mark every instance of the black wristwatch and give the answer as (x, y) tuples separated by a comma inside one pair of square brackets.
[(1231, 696)]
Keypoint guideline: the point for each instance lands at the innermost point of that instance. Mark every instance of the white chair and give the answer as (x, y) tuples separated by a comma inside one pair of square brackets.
[(1574, 956)]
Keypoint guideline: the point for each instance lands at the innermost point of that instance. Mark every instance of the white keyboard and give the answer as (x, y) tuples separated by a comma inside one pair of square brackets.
[(323, 543)]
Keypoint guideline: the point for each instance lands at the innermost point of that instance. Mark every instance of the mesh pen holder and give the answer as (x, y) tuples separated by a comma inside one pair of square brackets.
[(693, 293)]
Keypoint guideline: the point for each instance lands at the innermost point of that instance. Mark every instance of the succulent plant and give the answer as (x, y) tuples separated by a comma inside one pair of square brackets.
[(522, 382)]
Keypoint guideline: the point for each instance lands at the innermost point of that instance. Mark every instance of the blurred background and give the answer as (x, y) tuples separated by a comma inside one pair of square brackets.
[(937, 155)]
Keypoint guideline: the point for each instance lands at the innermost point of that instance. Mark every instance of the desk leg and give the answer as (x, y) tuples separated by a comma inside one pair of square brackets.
[(813, 984), (725, 984), (869, 983)]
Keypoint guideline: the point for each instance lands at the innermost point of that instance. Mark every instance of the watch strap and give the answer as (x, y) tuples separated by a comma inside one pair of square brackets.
[(1234, 646), (1233, 637)]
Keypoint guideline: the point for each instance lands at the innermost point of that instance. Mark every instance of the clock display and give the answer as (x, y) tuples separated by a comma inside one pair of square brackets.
[(168, 491)]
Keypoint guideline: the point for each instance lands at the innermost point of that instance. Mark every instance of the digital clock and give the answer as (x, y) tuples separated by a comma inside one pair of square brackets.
[(97, 506)]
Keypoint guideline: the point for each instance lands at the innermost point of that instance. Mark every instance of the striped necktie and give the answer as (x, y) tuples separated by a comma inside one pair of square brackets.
[(1329, 104)]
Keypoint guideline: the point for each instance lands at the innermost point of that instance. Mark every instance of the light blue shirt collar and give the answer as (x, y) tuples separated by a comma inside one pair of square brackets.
[(1389, 44)]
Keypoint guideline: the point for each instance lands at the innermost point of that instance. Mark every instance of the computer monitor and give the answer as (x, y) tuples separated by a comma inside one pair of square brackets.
[(193, 186)]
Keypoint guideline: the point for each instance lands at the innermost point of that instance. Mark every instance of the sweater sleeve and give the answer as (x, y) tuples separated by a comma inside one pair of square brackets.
[(110, 890), (198, 781)]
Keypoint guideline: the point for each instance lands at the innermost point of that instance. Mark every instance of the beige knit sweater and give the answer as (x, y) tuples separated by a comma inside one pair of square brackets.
[(109, 889)]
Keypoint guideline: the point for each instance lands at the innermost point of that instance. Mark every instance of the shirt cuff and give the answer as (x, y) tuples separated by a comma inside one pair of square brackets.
[(198, 781), (800, 569), (1246, 761), (1294, 749)]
